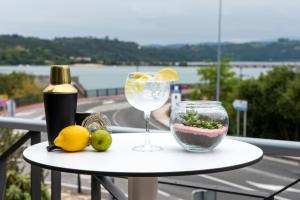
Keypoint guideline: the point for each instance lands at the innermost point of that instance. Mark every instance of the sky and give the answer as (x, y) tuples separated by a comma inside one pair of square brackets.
[(152, 21)]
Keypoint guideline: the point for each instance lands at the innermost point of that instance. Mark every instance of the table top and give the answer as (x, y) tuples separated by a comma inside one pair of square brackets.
[(121, 160)]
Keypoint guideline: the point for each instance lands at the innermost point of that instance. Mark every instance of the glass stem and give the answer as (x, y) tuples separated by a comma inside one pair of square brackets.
[(147, 136)]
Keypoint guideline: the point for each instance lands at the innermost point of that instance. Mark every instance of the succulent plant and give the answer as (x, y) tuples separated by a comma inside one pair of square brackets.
[(192, 118)]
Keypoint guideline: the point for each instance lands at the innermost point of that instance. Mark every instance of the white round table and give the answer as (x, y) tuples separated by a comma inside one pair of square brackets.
[(121, 160)]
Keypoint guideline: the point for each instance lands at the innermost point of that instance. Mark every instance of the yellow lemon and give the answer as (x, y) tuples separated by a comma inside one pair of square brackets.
[(167, 74), (72, 138)]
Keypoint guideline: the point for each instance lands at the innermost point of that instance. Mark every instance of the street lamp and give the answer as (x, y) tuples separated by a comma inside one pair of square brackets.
[(219, 52)]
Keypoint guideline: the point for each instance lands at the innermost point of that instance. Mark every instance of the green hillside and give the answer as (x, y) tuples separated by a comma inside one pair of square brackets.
[(15, 49)]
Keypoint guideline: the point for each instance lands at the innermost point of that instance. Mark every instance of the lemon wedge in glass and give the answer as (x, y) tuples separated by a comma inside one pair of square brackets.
[(136, 83), (167, 74), (140, 75)]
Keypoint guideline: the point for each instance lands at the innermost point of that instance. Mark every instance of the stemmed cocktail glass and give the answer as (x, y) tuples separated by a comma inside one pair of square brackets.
[(146, 92)]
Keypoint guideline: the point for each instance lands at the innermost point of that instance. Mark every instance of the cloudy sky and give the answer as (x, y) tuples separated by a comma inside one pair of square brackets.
[(152, 21)]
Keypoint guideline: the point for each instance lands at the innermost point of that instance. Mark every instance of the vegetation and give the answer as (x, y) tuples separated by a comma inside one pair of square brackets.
[(274, 106), (15, 49), (17, 85), (192, 118), (273, 99), (206, 89), (17, 183), (21, 87)]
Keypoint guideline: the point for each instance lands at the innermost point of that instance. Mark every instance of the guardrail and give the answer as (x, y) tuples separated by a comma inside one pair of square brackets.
[(21, 101), (35, 127), (119, 91), (104, 92), (86, 93)]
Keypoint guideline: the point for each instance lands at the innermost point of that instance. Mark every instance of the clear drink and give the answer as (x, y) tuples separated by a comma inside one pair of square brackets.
[(144, 92), (149, 95)]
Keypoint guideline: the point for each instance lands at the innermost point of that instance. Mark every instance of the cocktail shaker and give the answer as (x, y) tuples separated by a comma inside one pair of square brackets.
[(60, 102)]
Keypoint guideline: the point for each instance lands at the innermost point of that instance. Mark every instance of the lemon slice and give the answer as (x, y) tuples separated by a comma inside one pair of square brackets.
[(133, 86), (136, 83), (167, 74), (141, 76)]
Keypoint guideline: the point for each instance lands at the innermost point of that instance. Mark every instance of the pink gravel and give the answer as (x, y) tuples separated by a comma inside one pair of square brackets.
[(200, 131)]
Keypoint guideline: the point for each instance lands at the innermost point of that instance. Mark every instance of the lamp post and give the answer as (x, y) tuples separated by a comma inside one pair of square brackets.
[(219, 52)]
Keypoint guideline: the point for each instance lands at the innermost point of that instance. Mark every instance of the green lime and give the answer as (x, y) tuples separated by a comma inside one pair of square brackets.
[(101, 140)]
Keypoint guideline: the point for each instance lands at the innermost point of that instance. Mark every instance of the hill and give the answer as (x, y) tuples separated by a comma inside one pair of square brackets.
[(16, 49)]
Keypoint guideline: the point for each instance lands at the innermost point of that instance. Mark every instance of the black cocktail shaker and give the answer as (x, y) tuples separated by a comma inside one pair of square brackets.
[(60, 101)]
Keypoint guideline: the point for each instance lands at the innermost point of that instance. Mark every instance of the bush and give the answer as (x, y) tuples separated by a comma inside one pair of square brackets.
[(274, 104), (17, 183), (18, 85), (273, 100)]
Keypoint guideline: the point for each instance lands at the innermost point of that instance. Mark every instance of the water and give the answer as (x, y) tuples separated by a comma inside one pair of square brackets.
[(115, 76)]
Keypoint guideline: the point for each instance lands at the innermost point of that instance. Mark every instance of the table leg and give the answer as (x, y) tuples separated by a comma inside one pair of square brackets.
[(96, 188), (55, 185), (142, 188)]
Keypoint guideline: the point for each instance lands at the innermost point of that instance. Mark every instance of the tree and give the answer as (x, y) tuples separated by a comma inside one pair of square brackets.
[(206, 89), (274, 106), (273, 100), (18, 85)]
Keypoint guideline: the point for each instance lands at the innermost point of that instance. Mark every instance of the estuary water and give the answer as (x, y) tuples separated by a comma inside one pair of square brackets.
[(93, 77)]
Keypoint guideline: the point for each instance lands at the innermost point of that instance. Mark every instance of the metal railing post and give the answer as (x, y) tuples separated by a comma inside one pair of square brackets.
[(95, 189), (111, 188), (110, 197), (204, 195), (36, 172), (3, 158), (55, 185), (78, 183), (2, 179), (270, 198)]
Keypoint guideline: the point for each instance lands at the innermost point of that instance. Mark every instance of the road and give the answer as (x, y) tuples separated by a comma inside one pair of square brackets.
[(271, 174)]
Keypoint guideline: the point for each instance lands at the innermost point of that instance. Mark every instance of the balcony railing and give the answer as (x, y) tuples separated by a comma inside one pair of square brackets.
[(36, 127)]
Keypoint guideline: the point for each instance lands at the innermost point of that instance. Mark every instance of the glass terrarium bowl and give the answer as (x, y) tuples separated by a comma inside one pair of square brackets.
[(199, 126)]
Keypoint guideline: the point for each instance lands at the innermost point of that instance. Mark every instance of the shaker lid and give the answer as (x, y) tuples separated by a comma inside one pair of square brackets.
[(60, 74), (60, 80)]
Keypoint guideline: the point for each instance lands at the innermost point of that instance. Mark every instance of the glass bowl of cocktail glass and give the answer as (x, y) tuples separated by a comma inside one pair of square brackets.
[(148, 91)]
